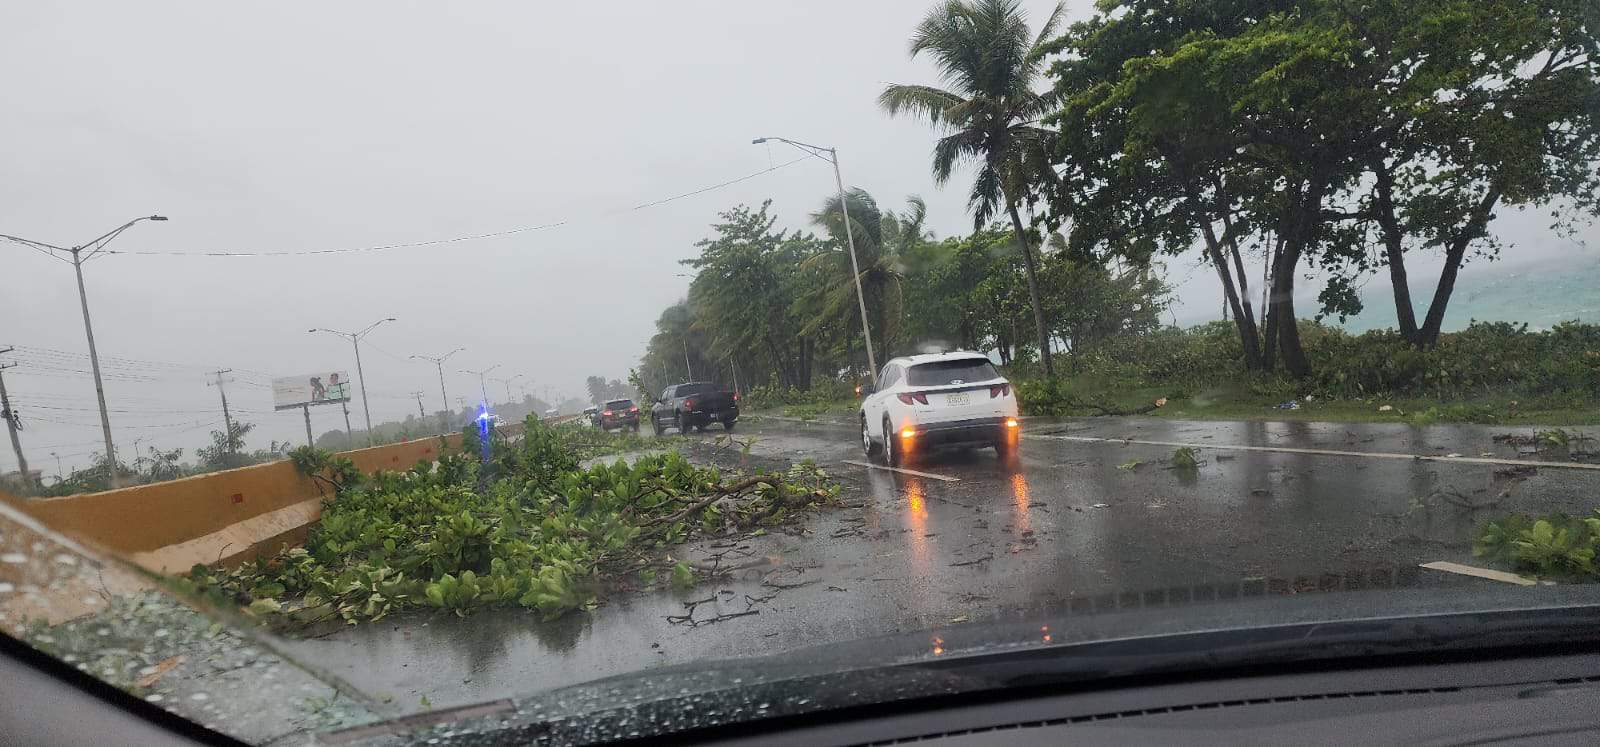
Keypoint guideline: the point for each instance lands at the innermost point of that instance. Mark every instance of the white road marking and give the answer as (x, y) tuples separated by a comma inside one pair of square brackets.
[(1467, 570), (928, 475), (1321, 452)]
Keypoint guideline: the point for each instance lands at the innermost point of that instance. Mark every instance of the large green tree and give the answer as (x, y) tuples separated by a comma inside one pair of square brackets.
[(1493, 103), (988, 112), (1307, 127)]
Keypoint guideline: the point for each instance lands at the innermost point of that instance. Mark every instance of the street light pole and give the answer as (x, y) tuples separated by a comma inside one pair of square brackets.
[(80, 255), (507, 383), (444, 399), (849, 237), (482, 387), (355, 341)]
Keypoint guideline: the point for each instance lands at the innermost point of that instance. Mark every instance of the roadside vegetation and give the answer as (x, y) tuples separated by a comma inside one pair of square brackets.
[(529, 528), (1275, 139)]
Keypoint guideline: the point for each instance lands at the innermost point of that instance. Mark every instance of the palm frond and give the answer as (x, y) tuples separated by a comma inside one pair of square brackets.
[(916, 214), (984, 200), (925, 102), (956, 149)]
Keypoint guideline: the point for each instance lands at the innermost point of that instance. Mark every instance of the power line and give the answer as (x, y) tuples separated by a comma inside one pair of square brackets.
[(122, 361), (452, 240)]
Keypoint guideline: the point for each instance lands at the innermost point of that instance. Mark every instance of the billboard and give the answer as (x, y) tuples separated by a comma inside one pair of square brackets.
[(310, 389)]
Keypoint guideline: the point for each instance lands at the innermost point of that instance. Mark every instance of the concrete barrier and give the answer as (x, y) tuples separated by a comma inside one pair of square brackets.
[(222, 517)]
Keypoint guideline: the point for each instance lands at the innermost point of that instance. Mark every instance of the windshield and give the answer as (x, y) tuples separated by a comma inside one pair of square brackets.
[(926, 330), (942, 373)]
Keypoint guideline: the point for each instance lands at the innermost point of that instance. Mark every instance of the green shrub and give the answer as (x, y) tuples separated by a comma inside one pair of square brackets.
[(769, 396), (1556, 545), (1561, 363), (543, 534)]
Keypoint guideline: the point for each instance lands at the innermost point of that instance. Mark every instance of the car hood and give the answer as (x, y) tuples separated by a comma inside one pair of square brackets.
[(1013, 650)]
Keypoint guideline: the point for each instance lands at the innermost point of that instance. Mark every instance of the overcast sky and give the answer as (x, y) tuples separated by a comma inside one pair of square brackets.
[(300, 126)]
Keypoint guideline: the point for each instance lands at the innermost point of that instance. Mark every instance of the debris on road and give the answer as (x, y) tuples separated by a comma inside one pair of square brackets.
[(984, 559), (1467, 570), (152, 674)]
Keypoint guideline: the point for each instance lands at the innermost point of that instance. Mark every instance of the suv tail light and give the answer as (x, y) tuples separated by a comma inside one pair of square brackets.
[(608, 413), (635, 408), (688, 404), (999, 390), (920, 398), (735, 396)]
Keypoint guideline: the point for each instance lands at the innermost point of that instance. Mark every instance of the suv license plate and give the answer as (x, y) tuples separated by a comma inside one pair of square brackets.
[(958, 399)]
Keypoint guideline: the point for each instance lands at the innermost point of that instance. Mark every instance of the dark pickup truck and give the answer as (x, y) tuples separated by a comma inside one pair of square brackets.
[(694, 405)]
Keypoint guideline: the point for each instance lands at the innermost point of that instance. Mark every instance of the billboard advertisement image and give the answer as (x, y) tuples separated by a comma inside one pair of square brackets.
[(310, 389)]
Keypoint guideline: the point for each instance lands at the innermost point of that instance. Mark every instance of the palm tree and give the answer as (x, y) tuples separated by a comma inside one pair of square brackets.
[(989, 115), (875, 252)]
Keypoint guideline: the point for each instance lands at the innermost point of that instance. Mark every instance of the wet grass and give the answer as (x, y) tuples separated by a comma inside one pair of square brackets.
[(1241, 402)]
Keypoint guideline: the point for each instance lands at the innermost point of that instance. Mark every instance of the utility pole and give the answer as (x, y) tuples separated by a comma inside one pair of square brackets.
[(227, 418), (136, 456), (444, 399), (421, 413), (80, 255), (350, 435), (59, 478), (13, 423)]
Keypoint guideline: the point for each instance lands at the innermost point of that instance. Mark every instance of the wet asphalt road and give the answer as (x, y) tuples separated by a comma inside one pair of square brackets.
[(1074, 522)]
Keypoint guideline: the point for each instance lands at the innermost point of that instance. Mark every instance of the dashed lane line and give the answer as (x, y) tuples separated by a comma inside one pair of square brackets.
[(903, 471), (1321, 452)]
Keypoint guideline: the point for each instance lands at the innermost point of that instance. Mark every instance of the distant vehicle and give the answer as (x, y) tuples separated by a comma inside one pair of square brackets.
[(619, 414), (552, 412), (694, 405), (592, 414), (945, 398)]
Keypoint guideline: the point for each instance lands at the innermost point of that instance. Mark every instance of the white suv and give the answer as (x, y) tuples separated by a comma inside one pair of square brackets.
[(947, 398)]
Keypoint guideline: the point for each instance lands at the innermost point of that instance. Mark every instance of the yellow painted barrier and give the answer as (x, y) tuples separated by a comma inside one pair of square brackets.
[(221, 517)]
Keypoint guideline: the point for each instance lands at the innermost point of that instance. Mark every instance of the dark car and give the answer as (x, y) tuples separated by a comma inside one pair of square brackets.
[(619, 414), (696, 404)]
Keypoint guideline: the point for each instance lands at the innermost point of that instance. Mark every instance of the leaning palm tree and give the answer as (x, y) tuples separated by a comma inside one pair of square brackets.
[(989, 115), (877, 261)]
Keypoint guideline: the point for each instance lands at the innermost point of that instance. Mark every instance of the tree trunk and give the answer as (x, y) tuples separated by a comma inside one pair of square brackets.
[(1245, 323), (1269, 339), (1476, 226), (1394, 250), (1288, 331), (807, 350), (1033, 289), (1303, 219)]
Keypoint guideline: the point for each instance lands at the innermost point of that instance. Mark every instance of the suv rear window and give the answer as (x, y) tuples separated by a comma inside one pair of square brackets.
[(619, 404), (685, 390), (940, 373)]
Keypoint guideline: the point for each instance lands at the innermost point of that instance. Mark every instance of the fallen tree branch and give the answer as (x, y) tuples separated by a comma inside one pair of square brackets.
[(1103, 410), (718, 493)]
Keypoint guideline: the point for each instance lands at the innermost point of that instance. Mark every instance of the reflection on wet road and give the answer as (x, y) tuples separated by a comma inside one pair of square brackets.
[(1070, 522)]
